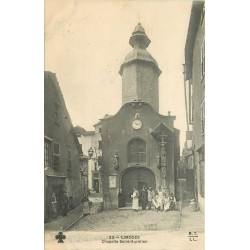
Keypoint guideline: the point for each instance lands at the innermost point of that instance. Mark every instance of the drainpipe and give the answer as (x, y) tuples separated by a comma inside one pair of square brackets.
[(185, 94)]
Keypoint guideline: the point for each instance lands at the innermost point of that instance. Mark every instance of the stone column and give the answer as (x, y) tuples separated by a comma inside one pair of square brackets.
[(163, 157)]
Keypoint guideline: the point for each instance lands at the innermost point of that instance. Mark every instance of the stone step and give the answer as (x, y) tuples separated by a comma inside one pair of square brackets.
[(96, 207)]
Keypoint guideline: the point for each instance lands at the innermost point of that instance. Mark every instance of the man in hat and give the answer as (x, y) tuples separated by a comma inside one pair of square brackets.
[(65, 204), (144, 197), (150, 197), (121, 198)]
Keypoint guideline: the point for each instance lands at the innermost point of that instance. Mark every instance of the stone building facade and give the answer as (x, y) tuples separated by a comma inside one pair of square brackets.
[(195, 84), (140, 146), (92, 140), (64, 163)]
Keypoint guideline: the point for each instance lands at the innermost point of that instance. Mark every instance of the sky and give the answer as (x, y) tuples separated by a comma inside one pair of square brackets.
[(87, 41)]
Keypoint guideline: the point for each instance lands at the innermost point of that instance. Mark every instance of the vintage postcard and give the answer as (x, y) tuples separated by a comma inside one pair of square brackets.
[(124, 124)]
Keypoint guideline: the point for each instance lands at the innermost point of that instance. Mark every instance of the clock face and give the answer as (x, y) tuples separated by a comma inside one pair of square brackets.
[(136, 124)]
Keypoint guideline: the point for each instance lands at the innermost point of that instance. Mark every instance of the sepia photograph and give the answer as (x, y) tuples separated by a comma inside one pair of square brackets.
[(124, 124)]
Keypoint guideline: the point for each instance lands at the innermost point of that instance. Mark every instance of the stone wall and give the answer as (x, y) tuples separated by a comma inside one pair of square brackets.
[(140, 82), (58, 128), (117, 131)]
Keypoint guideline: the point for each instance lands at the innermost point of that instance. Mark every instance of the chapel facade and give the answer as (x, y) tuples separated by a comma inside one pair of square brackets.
[(140, 146)]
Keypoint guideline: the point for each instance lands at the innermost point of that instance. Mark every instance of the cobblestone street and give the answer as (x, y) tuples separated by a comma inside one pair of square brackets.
[(128, 220), (166, 230)]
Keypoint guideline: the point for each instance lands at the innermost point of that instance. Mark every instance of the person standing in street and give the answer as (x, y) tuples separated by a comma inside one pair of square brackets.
[(144, 198), (160, 199), (121, 199), (155, 200), (150, 198), (172, 204), (135, 197), (166, 202), (54, 206), (65, 204), (85, 205)]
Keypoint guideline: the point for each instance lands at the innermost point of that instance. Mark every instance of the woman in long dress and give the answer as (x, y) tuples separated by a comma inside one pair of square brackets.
[(160, 198), (155, 201), (135, 196), (85, 205), (166, 202)]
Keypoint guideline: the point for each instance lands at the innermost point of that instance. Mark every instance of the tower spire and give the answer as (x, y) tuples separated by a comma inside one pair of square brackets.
[(139, 39), (140, 71)]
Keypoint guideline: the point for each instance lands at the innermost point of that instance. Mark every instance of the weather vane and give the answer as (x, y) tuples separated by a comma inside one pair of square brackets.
[(139, 17)]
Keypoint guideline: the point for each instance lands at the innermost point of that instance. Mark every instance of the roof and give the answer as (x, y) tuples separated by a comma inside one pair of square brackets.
[(89, 133), (193, 27), (139, 53), (51, 172), (84, 157), (105, 117), (139, 36), (139, 29), (131, 103), (79, 130), (51, 78), (161, 128)]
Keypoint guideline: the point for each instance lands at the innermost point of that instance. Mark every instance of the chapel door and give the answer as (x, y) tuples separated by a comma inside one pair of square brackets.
[(136, 178)]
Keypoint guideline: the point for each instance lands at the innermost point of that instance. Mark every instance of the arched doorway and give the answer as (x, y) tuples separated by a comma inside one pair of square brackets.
[(136, 177)]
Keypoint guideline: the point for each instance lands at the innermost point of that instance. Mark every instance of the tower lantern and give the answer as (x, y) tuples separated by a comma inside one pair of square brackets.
[(140, 71)]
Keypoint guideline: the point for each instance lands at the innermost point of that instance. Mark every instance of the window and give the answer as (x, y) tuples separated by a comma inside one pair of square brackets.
[(190, 102), (100, 130), (137, 151), (203, 117), (56, 154), (47, 153), (203, 60), (99, 144), (69, 160), (192, 113), (202, 179), (96, 175), (99, 160)]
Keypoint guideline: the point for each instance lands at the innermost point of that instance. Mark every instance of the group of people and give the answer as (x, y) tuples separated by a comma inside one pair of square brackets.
[(58, 205), (160, 200)]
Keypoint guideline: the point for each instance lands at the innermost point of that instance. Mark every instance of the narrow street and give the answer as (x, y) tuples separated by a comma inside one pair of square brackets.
[(126, 229), (128, 220)]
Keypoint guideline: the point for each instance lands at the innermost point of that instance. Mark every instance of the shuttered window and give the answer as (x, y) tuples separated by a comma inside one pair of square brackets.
[(137, 151), (47, 153), (56, 154)]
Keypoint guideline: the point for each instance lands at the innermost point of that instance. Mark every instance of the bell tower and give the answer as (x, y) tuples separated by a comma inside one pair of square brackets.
[(140, 72)]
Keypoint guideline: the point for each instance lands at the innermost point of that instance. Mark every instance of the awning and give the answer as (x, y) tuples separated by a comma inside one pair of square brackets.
[(49, 171)]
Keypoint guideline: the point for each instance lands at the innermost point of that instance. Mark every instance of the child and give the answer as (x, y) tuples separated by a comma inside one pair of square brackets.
[(166, 202), (172, 202)]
